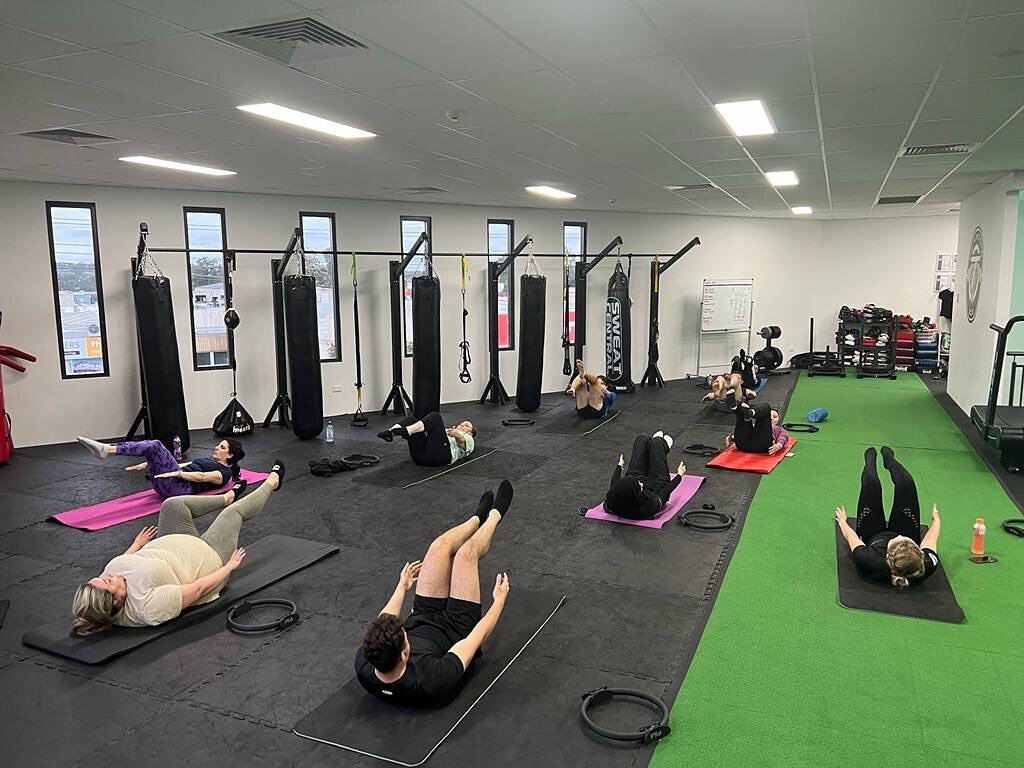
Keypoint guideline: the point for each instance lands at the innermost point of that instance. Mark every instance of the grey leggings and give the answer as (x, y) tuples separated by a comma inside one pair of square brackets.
[(178, 512)]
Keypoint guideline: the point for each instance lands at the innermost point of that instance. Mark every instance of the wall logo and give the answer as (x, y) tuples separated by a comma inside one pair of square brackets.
[(613, 338), (974, 270)]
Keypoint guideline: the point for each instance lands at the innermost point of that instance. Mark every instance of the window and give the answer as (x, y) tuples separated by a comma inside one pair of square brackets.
[(204, 231), (574, 243), (500, 237), (77, 289), (412, 228), (319, 243)]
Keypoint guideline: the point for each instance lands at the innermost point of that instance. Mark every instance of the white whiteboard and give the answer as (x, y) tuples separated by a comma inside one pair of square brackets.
[(725, 305)]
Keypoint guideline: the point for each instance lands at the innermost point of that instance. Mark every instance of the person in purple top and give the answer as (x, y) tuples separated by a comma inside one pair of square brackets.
[(758, 430)]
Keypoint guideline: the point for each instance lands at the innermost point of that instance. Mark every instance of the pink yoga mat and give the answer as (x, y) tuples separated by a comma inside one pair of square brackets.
[(680, 496), (136, 505)]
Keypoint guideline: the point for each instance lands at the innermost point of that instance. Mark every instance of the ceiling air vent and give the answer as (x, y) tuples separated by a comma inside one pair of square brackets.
[(421, 190), (295, 41), (69, 136), (690, 187), (898, 199), (939, 149)]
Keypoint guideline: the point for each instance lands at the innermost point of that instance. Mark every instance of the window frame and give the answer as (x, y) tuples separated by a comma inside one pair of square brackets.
[(186, 210), (91, 207), (337, 290), (583, 259), (511, 224), (407, 342)]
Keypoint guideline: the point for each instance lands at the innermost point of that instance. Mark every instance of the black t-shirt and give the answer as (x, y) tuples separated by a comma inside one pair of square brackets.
[(946, 304), (208, 465), (870, 559), (432, 674)]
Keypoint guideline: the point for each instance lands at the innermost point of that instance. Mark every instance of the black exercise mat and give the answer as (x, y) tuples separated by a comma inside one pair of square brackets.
[(931, 599), (268, 560), (406, 474), (354, 720), (568, 423)]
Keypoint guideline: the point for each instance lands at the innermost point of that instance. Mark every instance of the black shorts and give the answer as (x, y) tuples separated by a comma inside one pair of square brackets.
[(589, 412), (450, 616)]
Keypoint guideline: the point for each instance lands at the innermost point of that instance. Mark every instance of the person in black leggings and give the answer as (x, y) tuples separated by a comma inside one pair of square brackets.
[(645, 489), (890, 550), (757, 430), (430, 444)]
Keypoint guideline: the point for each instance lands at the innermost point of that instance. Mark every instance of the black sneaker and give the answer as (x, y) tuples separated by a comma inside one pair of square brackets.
[(278, 469)]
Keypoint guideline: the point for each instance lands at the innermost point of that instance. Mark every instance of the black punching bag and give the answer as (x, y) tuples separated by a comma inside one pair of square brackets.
[(618, 333), (161, 369), (532, 290), (426, 345), (303, 356)]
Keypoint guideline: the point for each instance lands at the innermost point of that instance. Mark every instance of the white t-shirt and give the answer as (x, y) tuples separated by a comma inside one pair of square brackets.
[(154, 576)]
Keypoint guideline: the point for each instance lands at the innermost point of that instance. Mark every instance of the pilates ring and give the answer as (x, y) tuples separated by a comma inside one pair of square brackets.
[(1014, 526), (796, 426), (243, 607), (354, 460), (692, 519), (517, 422), (649, 734), (699, 449)]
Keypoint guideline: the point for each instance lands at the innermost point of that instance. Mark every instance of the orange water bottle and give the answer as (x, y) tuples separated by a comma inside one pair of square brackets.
[(978, 542)]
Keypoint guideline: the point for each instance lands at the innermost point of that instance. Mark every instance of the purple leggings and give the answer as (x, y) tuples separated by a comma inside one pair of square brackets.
[(160, 460)]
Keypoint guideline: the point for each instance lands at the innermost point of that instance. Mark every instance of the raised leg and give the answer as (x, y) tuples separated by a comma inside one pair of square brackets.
[(436, 571), (905, 517), (639, 459), (160, 460), (178, 512), (870, 517), (222, 534), (465, 578)]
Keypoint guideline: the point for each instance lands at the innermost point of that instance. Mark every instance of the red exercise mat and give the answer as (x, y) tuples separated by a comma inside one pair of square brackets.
[(761, 463)]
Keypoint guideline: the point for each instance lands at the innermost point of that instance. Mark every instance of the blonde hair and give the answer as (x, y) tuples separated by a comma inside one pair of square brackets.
[(93, 609), (905, 559)]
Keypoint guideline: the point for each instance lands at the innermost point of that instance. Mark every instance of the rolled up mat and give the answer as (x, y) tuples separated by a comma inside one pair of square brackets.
[(618, 333), (680, 496), (158, 348), (353, 719), (426, 345), (266, 561), (303, 356), (932, 598), (532, 292), (741, 461)]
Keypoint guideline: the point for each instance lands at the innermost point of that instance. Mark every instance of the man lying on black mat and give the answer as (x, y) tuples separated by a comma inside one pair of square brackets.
[(593, 398), (423, 661), (430, 444), (890, 550), (741, 381)]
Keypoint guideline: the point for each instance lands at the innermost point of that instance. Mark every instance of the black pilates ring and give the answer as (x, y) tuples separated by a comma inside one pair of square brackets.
[(517, 422), (1014, 526), (699, 449), (649, 734), (797, 426), (692, 519), (244, 606)]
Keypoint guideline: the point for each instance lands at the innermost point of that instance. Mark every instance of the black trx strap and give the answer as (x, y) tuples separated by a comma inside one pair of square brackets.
[(464, 375), (358, 418), (567, 364)]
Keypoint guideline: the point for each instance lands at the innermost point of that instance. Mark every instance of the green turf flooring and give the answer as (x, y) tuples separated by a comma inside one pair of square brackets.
[(785, 676)]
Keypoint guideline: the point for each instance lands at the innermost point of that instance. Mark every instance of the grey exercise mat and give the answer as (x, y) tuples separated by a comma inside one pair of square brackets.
[(568, 423), (352, 719), (268, 560), (931, 599), (405, 474)]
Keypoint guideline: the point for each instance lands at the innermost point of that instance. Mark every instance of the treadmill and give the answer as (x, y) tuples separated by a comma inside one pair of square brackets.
[(1003, 425)]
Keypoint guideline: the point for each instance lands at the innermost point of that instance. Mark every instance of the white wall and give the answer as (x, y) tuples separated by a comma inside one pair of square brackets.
[(800, 268), (972, 344)]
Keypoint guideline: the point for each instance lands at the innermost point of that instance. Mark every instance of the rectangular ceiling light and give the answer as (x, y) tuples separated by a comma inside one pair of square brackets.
[(801, 210), (175, 166), (746, 118), (546, 191), (782, 178), (304, 120)]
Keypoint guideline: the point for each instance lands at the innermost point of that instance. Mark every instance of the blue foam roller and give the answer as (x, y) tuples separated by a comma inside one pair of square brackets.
[(818, 414)]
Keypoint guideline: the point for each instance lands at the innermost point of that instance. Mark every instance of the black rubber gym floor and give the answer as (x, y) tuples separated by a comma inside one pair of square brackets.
[(637, 603)]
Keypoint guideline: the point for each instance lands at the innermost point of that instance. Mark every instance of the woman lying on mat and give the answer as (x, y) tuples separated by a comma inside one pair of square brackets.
[(892, 550), (741, 379), (169, 477), (430, 444), (758, 430), (593, 398), (421, 662), (646, 486), (170, 567)]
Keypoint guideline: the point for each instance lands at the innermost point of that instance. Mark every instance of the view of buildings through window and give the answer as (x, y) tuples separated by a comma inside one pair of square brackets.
[(204, 229), (500, 234), (318, 236), (574, 243)]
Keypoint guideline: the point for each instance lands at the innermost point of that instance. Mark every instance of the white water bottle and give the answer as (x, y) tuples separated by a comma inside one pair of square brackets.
[(329, 436)]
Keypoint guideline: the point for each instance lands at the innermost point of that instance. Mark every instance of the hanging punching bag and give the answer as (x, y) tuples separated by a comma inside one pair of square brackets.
[(161, 369), (532, 290), (618, 333), (426, 345), (303, 356)]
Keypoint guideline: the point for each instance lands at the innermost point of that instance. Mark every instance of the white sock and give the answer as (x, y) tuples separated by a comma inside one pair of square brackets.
[(668, 439), (96, 448), (659, 433)]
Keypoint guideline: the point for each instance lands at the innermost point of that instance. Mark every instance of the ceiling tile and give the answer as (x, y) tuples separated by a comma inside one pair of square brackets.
[(698, 25), (370, 70), (229, 14), (93, 24), (576, 31), (997, 156), (988, 47), (52, 90), (794, 143), (873, 175), (736, 167), (865, 137), (830, 16), (796, 113), (907, 168), (1014, 131), (659, 82), (1000, 97), (896, 187), (545, 94), (518, 137), (700, 150), (953, 131), (23, 115), (838, 161), (434, 100), (363, 112), (873, 106), (753, 72), (20, 45), (446, 142)]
